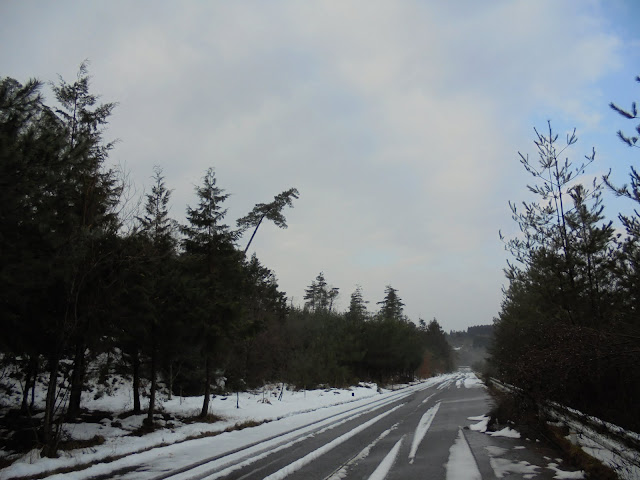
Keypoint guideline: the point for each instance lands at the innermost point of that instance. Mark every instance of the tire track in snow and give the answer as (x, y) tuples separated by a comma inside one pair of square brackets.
[(428, 398), (249, 454), (385, 466), (298, 464), (341, 473), (421, 430), (250, 457), (233, 460)]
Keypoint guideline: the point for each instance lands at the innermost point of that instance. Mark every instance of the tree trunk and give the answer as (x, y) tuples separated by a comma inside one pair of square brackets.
[(253, 235), (207, 387), (170, 380), (29, 382), (77, 379), (152, 392), (49, 438), (135, 361), (33, 392)]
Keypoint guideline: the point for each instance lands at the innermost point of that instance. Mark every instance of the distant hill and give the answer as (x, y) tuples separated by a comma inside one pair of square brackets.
[(471, 345)]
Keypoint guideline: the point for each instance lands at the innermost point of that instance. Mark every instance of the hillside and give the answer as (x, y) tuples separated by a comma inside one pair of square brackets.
[(471, 346)]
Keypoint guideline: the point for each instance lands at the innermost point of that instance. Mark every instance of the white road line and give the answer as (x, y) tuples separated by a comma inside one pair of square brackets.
[(298, 464), (421, 430), (385, 466)]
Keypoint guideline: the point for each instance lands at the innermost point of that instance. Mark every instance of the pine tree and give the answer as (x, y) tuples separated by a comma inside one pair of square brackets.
[(631, 114), (543, 223), (357, 305), (271, 211), (392, 306), (319, 296), (210, 250), (592, 245)]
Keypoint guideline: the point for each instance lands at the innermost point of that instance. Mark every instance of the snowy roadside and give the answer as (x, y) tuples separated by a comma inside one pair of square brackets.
[(608, 443), (254, 408)]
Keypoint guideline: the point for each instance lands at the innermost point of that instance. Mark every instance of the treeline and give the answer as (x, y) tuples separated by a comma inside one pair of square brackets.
[(182, 303), (471, 346), (316, 345), (569, 327)]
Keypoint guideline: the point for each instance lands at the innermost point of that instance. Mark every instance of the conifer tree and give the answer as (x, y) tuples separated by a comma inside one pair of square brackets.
[(90, 194), (209, 246), (30, 143), (271, 211), (357, 305), (392, 306), (67, 211), (319, 296), (631, 114), (157, 233)]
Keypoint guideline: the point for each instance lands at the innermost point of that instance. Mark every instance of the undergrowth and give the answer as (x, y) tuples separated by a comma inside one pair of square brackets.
[(523, 413)]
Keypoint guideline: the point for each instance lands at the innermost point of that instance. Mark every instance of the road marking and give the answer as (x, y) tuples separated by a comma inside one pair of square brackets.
[(385, 466), (421, 430)]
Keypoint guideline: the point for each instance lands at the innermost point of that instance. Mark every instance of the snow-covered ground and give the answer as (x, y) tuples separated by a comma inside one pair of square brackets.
[(610, 444), (293, 409), (234, 411)]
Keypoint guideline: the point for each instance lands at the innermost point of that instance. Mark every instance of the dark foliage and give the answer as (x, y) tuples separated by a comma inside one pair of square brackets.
[(569, 329), (180, 305)]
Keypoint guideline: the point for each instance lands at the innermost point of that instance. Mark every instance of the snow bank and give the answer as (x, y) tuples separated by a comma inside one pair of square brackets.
[(258, 407), (461, 464)]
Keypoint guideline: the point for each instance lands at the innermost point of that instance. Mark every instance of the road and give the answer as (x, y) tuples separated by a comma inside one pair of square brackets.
[(415, 433)]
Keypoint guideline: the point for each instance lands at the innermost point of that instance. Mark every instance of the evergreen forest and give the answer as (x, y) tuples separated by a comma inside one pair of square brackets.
[(568, 329), (178, 305)]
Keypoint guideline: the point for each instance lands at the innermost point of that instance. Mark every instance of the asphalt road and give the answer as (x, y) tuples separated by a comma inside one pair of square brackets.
[(418, 433)]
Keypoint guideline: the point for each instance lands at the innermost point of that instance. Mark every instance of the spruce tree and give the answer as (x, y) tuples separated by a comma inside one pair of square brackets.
[(211, 253), (158, 234), (89, 194), (392, 306)]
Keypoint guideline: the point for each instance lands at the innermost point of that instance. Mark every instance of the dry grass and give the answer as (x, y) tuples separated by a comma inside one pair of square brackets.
[(75, 444)]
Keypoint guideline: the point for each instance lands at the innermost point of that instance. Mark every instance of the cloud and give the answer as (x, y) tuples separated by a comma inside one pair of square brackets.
[(399, 122)]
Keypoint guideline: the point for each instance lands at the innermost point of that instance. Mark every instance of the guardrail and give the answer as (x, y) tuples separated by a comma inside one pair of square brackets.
[(609, 443)]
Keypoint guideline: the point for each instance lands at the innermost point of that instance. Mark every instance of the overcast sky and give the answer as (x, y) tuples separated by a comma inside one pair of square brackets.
[(398, 121)]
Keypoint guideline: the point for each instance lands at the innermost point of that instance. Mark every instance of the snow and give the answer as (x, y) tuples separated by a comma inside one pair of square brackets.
[(505, 432), (565, 475), (281, 424), (495, 451), (295, 409), (381, 472), (481, 426), (461, 464), (473, 382), (421, 430), (301, 462), (586, 433), (502, 467), (505, 467), (428, 398), (364, 453)]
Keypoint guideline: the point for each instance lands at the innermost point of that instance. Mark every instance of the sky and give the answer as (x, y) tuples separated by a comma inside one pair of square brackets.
[(399, 122)]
